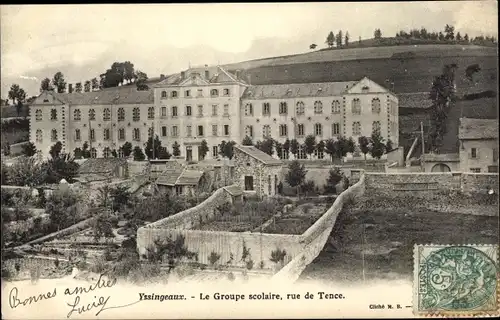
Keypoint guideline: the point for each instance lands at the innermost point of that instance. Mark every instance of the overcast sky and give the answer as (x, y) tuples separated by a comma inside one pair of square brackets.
[(38, 37)]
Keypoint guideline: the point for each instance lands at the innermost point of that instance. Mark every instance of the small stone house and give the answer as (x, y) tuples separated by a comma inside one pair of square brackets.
[(256, 172), (178, 179), (100, 169)]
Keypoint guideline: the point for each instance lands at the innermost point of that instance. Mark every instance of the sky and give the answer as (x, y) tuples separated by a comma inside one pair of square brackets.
[(161, 37)]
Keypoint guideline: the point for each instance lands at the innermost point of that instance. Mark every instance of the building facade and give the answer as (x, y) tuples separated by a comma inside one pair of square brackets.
[(211, 104), (478, 145)]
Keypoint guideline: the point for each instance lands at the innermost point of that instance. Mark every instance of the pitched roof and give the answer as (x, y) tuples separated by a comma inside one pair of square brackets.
[(175, 174), (258, 155), (478, 128), (234, 190), (295, 90), (117, 95), (189, 178), (217, 75), (98, 166)]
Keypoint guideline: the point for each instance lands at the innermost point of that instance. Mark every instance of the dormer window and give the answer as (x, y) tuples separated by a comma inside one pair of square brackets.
[(214, 93), (365, 89)]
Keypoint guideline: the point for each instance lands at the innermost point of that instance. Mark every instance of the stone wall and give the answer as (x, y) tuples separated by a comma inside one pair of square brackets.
[(479, 182), (315, 237)]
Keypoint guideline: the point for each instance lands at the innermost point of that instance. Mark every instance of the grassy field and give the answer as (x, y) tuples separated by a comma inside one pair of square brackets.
[(386, 238), (298, 220)]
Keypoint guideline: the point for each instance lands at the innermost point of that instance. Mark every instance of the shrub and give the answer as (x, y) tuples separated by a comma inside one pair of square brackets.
[(213, 258), (249, 264), (230, 276)]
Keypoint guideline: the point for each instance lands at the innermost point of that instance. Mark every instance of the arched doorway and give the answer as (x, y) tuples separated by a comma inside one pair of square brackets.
[(440, 167)]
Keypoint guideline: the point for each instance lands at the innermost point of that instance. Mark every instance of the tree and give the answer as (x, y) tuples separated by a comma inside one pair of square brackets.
[(176, 149), (459, 36), (378, 146), (94, 84), (102, 226), (228, 150), (55, 150), (138, 154), (341, 148), (120, 197), (339, 39), (29, 149), (330, 148), (18, 96), (46, 85), (441, 36), (296, 175), (294, 147), (388, 146), (313, 46), (310, 144), (351, 145), (78, 87), (247, 141), (279, 149), (140, 82), (377, 34), (346, 39), (59, 82), (152, 148), (87, 86), (449, 32), (26, 171), (85, 150), (62, 208), (466, 37), (320, 146), (286, 146), (203, 149), (330, 39), (126, 149), (77, 153), (62, 167), (364, 145), (334, 177), (266, 146)]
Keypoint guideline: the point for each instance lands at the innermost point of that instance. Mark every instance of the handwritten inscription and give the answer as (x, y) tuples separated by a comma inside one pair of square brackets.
[(15, 301)]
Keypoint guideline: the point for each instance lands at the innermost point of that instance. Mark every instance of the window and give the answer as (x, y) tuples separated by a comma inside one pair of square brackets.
[(77, 115), (301, 155), (93, 153), (356, 128), (136, 114), (226, 92), (226, 110), (163, 112), (106, 152), (249, 131), (173, 94), (376, 126), (189, 112), (39, 135), (300, 130), (318, 107), (164, 94), (92, 114), (175, 131), (376, 105), (215, 110), (495, 154), (475, 170), (200, 131), (318, 129), (78, 135), (335, 106), (164, 131), (121, 134), (215, 151), (38, 115), (473, 153), (266, 131), (151, 113), (319, 154), (300, 109), (266, 109), (248, 183), (283, 130), (200, 93), (174, 111), (226, 129), (136, 134), (285, 154), (283, 108), (248, 109), (53, 135), (187, 93), (492, 169), (214, 93), (92, 135), (214, 130), (53, 114), (356, 106), (151, 132), (120, 153), (106, 114), (200, 111), (178, 190), (189, 131), (121, 114), (269, 184), (335, 129)]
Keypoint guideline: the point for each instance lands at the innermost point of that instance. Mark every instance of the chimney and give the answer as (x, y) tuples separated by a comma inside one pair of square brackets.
[(183, 75), (237, 74), (162, 77), (70, 88), (207, 74)]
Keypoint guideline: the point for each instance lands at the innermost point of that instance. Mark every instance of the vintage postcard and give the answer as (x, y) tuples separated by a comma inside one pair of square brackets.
[(250, 160)]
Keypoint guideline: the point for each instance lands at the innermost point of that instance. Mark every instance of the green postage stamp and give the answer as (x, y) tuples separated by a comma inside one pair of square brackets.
[(456, 280)]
